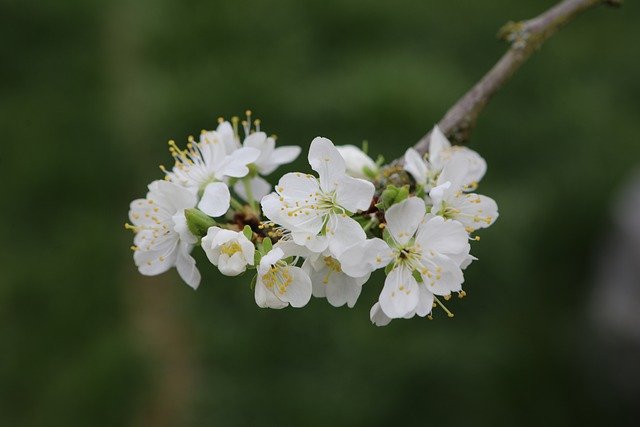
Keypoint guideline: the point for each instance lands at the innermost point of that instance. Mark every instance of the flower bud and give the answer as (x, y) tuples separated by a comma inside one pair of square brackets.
[(198, 222), (359, 165)]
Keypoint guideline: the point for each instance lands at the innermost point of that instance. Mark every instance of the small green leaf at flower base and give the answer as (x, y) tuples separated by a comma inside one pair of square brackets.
[(388, 268), (387, 197), (386, 236), (248, 232), (256, 258), (417, 276), (266, 245), (402, 194), (198, 222)]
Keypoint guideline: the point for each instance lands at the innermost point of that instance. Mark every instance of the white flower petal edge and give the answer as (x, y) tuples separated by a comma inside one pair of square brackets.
[(357, 161), (270, 157), (280, 284), (162, 239), (229, 250), (216, 199), (473, 211)]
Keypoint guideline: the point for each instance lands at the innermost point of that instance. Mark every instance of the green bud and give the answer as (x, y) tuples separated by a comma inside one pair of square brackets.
[(198, 222)]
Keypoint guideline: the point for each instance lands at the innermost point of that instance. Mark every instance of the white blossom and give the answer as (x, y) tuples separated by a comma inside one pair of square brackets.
[(429, 249), (449, 199), (205, 165), (358, 163), (427, 171), (229, 250), (317, 210), (280, 284), (162, 238), (328, 279)]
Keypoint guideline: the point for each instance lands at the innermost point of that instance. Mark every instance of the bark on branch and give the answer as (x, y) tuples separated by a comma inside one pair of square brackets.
[(525, 37)]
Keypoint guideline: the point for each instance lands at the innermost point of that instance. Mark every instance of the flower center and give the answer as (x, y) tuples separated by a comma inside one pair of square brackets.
[(230, 248), (334, 267), (278, 278)]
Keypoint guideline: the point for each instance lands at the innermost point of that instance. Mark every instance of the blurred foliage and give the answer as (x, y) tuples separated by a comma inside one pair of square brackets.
[(90, 92)]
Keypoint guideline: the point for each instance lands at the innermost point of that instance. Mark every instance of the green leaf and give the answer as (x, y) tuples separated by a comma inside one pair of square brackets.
[(266, 245), (248, 232), (256, 258), (416, 275), (402, 194), (388, 268)]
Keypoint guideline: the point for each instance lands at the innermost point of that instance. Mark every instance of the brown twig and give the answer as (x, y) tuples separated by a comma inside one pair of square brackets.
[(525, 37)]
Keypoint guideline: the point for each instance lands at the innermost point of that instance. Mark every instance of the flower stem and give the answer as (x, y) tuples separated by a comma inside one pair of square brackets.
[(252, 202), (373, 221), (236, 204)]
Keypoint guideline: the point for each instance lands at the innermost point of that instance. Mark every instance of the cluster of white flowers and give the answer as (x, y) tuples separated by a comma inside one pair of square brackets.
[(320, 234)]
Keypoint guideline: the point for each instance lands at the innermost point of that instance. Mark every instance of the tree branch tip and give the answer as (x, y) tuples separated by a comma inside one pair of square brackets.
[(613, 3)]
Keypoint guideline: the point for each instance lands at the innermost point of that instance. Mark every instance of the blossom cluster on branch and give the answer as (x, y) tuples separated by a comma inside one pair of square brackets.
[(320, 234)]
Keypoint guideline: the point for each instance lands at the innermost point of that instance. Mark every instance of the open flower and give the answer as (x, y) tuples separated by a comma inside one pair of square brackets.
[(229, 250), (426, 171), (425, 258), (328, 279), (204, 166), (317, 210), (280, 284), (269, 160), (162, 238), (359, 165), (472, 210)]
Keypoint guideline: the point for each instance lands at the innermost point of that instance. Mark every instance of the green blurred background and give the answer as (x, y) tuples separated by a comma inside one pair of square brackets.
[(92, 90)]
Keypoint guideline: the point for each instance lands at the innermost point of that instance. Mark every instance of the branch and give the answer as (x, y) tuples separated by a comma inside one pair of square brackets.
[(525, 37)]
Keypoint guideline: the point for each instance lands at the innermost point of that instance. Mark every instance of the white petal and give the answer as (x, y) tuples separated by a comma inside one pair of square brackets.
[(425, 303), (365, 257), (354, 194), (259, 188), (186, 266), (157, 260), (343, 232), (215, 200), (342, 290), (403, 219), (377, 316), (298, 292), (180, 226), (445, 276), (327, 161), (175, 196), (437, 144), (279, 156), (438, 194), (235, 164), (297, 186), (233, 265), (416, 166), (265, 298), (356, 161), (399, 295), (269, 259), (443, 236)]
